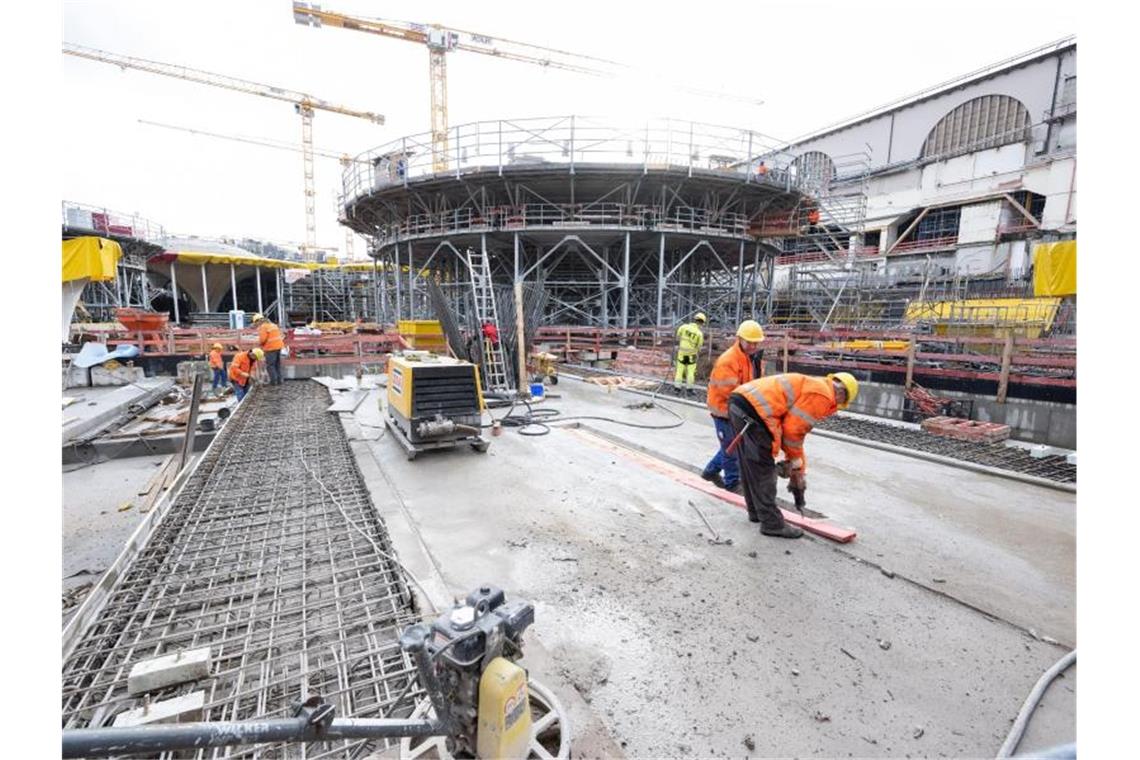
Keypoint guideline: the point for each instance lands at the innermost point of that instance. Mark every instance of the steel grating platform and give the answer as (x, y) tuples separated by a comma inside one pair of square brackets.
[(256, 560)]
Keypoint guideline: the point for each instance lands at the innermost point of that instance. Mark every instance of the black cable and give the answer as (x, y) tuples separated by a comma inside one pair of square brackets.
[(539, 418)]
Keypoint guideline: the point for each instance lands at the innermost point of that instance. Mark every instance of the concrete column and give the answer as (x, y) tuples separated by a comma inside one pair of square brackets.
[(145, 289), (625, 285), (257, 274), (661, 279), (205, 290), (174, 290), (756, 279), (233, 288), (770, 265)]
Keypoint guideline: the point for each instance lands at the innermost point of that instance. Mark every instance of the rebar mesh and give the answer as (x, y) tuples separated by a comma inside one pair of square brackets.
[(257, 561)]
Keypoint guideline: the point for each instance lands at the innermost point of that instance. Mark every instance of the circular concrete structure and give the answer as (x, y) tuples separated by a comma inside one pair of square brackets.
[(621, 224)]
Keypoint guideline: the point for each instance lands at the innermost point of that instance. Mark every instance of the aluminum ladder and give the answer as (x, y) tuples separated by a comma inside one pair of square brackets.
[(494, 369)]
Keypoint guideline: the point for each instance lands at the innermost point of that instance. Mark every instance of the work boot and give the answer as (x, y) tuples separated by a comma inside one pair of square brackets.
[(784, 531), (714, 478), (734, 488), (753, 517)]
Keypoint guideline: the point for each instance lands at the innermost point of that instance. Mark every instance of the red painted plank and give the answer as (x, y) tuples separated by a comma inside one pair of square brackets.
[(818, 527)]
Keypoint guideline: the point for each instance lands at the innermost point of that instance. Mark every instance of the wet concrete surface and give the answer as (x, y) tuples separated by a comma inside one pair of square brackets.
[(762, 647)]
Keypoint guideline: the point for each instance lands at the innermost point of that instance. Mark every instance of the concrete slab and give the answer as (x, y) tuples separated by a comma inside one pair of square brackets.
[(98, 407), (683, 647), (1006, 547), (94, 529)]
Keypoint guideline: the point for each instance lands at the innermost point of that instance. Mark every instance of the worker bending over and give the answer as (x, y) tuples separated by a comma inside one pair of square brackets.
[(218, 365), (742, 362), (271, 342), (241, 370), (689, 342), (774, 413)]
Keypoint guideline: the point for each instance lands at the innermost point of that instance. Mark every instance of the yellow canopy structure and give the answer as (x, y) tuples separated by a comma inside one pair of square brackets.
[(94, 258), (207, 257), (1055, 268)]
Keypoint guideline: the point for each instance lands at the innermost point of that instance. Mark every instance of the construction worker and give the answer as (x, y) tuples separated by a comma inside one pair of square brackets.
[(777, 412), (742, 362), (241, 370), (689, 342), (271, 342), (218, 365)]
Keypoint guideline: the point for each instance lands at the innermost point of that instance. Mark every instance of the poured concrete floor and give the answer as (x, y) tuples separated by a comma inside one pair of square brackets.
[(662, 643)]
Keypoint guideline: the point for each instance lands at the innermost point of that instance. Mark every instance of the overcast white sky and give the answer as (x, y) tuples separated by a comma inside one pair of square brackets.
[(812, 63)]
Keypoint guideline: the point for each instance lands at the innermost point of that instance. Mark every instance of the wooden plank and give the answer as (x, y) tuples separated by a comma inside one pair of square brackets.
[(1003, 381), (820, 528), (909, 364)]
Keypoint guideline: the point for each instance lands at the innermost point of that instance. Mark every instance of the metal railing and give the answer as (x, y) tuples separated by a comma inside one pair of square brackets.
[(565, 216), (564, 142), (100, 219)]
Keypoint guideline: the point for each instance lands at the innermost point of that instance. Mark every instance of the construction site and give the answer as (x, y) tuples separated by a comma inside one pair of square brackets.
[(493, 479)]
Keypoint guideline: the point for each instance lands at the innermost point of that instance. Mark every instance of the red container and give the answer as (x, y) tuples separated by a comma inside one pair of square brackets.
[(141, 319)]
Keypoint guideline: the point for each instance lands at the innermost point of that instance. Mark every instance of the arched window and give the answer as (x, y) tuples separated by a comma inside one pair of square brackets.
[(814, 169), (978, 124)]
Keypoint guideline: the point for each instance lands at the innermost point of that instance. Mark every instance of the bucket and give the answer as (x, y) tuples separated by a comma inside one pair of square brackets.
[(537, 390)]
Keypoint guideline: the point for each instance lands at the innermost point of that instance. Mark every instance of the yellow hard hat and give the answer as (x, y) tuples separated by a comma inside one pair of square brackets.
[(217, 346), (751, 331), (700, 317), (257, 318), (259, 354), (850, 383)]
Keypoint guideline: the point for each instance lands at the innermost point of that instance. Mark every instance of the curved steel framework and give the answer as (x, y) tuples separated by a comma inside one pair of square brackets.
[(622, 225)]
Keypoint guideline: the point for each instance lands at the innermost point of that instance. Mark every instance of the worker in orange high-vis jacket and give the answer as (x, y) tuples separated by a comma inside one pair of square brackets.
[(241, 370), (742, 362), (774, 413), (218, 365), (271, 342)]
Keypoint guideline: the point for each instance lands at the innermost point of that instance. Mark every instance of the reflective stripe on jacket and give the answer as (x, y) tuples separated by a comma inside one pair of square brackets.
[(269, 337), (216, 360), (240, 364), (790, 405), (689, 339), (732, 368)]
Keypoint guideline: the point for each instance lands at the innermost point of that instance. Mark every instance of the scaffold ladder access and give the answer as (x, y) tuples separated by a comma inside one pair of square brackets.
[(493, 366)]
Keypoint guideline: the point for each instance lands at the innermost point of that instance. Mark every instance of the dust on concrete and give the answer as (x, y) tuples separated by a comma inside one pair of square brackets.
[(683, 647), (96, 525)]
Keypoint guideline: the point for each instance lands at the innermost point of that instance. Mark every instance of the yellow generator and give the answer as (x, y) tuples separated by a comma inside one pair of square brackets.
[(434, 402)]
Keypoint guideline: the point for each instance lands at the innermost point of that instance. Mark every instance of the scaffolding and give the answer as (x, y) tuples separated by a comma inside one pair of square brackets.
[(273, 556)]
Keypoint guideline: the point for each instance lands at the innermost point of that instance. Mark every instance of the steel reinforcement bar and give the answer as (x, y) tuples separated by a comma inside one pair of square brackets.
[(274, 557)]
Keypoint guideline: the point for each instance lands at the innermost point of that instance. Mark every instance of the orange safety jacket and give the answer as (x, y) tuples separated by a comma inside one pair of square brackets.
[(269, 337), (216, 360), (790, 406), (241, 367), (732, 368)]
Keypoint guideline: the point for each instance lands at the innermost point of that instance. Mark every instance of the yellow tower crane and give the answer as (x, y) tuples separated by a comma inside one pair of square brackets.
[(439, 42), (303, 104)]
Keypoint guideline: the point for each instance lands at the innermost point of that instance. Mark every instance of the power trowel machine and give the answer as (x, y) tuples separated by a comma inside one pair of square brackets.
[(479, 701)]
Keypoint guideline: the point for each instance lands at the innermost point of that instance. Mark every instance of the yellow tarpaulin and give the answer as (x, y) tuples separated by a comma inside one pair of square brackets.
[(1055, 269), (1028, 317), (92, 257)]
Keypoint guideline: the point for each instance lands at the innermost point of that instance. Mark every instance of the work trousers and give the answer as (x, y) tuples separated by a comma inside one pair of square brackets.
[(687, 369), (219, 379), (273, 364), (722, 460), (757, 469), (239, 390)]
